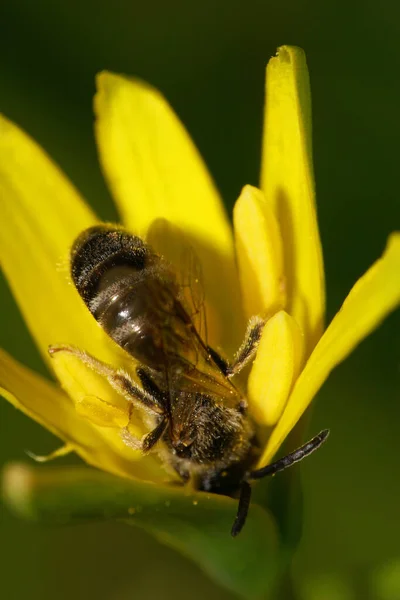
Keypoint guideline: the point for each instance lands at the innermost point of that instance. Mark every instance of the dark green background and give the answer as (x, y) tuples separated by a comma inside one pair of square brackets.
[(208, 58)]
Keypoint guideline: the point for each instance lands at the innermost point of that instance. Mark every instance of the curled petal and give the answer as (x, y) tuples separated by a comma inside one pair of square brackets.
[(288, 184), (275, 368), (155, 172), (107, 411), (43, 214), (259, 251), (374, 295), (42, 401)]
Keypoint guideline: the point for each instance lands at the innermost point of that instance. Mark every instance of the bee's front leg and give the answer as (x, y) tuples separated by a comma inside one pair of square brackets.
[(246, 351)]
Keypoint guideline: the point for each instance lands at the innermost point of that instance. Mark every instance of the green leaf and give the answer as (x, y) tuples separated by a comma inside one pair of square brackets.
[(195, 523)]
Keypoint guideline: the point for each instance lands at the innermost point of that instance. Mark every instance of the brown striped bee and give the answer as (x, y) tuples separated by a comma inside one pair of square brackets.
[(198, 413)]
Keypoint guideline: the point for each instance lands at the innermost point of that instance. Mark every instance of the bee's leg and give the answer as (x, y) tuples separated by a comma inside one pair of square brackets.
[(246, 351), (221, 363), (243, 508), (150, 386), (154, 436), (249, 346), (117, 378), (148, 441)]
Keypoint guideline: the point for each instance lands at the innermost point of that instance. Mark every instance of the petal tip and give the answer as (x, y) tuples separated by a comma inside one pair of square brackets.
[(110, 81), (3, 120), (7, 129), (393, 241), (103, 78), (289, 54), (112, 87), (250, 191), (288, 60), (108, 84), (392, 251)]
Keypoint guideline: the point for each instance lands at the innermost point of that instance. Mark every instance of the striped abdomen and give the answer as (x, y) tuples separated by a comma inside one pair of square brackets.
[(132, 294)]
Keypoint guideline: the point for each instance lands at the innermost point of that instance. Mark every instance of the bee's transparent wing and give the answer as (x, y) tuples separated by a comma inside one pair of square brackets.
[(172, 243), (193, 290)]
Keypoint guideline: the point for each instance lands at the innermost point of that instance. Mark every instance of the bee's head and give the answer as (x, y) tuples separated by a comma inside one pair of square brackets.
[(208, 432)]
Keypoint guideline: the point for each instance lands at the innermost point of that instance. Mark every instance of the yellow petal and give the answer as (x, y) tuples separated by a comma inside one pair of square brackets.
[(41, 214), (155, 172), (39, 399), (91, 393), (53, 409), (101, 413), (374, 295), (275, 368), (259, 252), (288, 184), (108, 412)]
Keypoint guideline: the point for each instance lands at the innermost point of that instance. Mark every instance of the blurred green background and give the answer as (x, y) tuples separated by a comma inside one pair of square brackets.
[(208, 58)]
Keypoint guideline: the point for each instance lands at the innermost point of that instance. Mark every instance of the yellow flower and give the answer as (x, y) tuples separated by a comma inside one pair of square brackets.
[(155, 173)]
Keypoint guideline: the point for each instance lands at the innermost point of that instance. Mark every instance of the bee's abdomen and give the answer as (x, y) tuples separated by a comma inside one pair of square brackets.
[(129, 315), (100, 250), (128, 290)]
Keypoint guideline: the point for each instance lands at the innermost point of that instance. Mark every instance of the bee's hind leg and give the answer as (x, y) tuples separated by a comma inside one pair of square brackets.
[(148, 441), (150, 386), (117, 378), (150, 396), (246, 351), (151, 439)]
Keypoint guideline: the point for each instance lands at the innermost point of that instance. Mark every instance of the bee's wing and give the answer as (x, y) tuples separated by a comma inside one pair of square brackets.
[(200, 374), (193, 291), (212, 384), (172, 243)]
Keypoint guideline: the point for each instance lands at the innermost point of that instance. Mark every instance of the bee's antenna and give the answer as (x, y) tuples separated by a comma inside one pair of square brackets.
[(290, 459), (279, 465), (243, 508)]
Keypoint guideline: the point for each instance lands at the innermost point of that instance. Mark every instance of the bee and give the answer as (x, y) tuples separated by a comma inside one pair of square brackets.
[(198, 414)]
